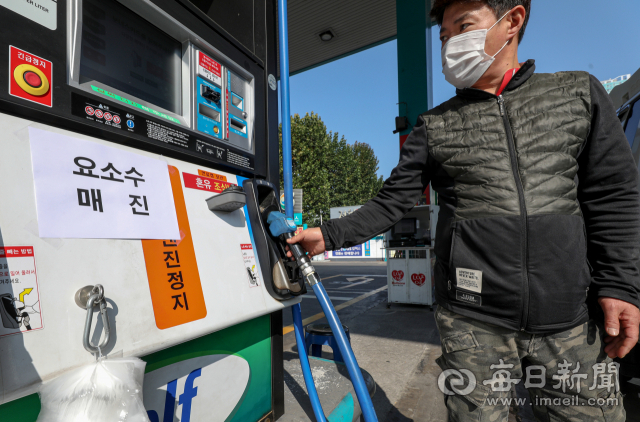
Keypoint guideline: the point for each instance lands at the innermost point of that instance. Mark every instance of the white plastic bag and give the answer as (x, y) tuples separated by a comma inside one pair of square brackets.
[(109, 390)]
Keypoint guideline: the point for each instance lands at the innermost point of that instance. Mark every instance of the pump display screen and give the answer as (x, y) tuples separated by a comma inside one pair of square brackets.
[(124, 51), (406, 226)]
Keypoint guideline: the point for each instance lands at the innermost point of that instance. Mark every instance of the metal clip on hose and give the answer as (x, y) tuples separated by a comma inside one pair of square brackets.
[(86, 298), (304, 264)]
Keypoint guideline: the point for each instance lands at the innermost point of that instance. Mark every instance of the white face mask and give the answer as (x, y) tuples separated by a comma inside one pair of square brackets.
[(464, 60)]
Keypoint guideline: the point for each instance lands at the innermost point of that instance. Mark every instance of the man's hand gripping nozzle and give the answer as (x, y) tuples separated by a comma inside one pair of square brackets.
[(283, 229)]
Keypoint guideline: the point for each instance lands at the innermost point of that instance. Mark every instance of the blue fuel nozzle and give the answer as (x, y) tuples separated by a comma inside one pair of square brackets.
[(283, 228), (279, 224)]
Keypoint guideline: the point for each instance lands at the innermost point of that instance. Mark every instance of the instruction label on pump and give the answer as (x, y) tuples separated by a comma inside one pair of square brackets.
[(43, 12), (172, 270), (249, 259), (19, 295), (209, 68)]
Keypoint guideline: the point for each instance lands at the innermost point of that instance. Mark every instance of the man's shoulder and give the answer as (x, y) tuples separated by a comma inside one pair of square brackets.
[(449, 105), (564, 79), (564, 74)]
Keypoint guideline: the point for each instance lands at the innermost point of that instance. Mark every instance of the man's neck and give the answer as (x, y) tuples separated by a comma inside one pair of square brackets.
[(492, 79)]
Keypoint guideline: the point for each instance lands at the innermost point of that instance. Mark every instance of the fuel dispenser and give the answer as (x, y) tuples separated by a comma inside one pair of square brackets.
[(138, 157)]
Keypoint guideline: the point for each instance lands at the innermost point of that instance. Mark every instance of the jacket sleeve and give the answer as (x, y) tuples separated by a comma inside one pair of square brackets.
[(398, 195), (610, 202)]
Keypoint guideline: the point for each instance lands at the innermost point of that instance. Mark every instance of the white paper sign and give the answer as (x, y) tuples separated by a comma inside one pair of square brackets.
[(91, 191)]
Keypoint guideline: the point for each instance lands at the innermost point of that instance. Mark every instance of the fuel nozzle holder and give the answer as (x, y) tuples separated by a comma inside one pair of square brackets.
[(231, 199), (284, 277)]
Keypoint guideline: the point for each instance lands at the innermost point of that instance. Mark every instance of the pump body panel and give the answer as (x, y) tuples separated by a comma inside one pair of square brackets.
[(162, 82)]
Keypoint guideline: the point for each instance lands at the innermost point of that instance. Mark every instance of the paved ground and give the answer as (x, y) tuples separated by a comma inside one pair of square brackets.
[(397, 346), (345, 282)]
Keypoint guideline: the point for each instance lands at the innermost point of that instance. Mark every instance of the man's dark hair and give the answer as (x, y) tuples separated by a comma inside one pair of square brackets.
[(499, 7)]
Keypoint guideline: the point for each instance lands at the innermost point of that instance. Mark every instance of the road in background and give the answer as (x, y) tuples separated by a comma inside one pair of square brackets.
[(353, 287)]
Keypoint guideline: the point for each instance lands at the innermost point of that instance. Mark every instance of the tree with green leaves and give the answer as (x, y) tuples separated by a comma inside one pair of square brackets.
[(330, 172), (368, 183)]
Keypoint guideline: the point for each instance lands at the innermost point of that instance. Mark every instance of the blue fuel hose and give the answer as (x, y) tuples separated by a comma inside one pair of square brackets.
[(304, 363), (355, 374), (347, 353), (280, 227), (285, 113), (307, 269)]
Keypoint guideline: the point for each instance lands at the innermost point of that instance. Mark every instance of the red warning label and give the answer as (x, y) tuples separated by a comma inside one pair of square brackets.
[(209, 68), (204, 183), (30, 77)]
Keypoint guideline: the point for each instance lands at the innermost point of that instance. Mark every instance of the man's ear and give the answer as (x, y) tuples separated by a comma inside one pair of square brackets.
[(515, 18)]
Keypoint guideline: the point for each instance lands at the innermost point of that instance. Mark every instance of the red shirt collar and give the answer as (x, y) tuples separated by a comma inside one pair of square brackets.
[(507, 78)]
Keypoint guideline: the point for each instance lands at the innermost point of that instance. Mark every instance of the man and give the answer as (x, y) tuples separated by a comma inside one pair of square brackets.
[(539, 218)]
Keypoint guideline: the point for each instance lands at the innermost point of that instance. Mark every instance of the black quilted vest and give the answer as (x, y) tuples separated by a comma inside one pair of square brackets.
[(510, 241)]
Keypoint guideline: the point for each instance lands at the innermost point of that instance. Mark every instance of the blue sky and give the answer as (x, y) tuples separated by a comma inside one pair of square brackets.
[(356, 96)]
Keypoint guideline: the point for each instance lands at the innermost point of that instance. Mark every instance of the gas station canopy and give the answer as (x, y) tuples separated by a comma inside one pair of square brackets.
[(353, 26)]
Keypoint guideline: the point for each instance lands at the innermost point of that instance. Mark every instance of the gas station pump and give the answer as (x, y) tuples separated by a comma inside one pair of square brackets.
[(139, 152)]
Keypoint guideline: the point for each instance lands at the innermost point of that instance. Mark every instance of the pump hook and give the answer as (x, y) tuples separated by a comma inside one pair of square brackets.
[(95, 296)]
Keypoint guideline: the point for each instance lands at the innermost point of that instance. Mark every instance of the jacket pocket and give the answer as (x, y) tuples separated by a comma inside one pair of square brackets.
[(485, 266), (586, 246), (559, 274), (453, 241), (450, 275)]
